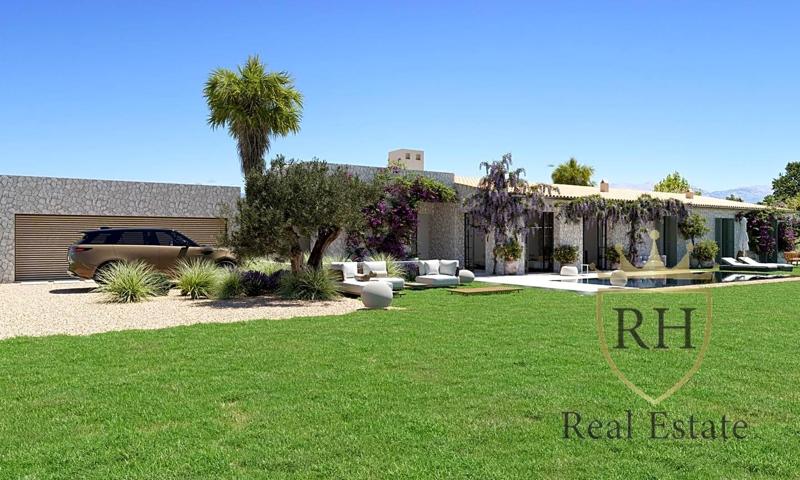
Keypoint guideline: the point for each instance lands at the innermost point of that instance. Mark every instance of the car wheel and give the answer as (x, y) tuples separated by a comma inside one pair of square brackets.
[(98, 272), (226, 264)]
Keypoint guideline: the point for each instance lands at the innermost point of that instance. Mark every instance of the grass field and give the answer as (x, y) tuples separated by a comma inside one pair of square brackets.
[(445, 386)]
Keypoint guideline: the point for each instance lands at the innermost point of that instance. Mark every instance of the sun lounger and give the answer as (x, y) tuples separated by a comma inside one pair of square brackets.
[(729, 263), (780, 266)]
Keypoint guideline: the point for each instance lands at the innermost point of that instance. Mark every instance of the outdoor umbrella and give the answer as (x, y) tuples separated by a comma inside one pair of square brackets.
[(744, 239)]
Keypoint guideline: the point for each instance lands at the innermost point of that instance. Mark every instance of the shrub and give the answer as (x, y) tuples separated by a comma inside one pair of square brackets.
[(264, 265), (393, 268), (308, 284), (125, 282), (256, 283), (705, 250), (508, 251), (612, 255), (228, 285), (196, 277), (565, 254), (693, 226)]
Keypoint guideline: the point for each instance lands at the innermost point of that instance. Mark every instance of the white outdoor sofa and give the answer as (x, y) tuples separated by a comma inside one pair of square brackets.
[(438, 273), (353, 283)]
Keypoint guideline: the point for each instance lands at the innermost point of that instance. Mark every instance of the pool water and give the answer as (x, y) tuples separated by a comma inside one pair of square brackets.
[(699, 278)]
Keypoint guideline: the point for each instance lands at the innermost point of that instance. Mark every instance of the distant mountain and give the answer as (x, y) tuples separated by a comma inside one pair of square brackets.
[(751, 194)]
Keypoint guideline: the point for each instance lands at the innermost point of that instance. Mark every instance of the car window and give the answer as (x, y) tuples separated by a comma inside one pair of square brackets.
[(131, 237), (183, 241), (98, 238), (162, 238)]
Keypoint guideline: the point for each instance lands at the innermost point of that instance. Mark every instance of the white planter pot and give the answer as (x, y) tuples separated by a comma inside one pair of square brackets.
[(510, 267)]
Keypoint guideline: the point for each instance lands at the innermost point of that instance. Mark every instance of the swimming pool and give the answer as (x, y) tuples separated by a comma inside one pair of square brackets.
[(666, 280)]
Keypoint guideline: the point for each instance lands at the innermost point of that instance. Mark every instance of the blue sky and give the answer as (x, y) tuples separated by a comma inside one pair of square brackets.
[(636, 89)]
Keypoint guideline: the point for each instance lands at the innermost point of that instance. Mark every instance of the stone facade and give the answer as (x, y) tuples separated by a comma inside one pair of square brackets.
[(67, 196)]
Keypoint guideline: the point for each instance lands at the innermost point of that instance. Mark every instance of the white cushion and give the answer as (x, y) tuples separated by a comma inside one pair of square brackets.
[(429, 267), (448, 267), (437, 280), (349, 269), (397, 283), (376, 267), (351, 286)]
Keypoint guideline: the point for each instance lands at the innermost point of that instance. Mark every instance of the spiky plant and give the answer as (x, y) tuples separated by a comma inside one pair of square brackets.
[(196, 277), (308, 284), (228, 285), (254, 105), (393, 268), (129, 282)]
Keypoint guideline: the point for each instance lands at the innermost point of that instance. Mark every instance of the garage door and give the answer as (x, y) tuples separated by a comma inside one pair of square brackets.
[(42, 240)]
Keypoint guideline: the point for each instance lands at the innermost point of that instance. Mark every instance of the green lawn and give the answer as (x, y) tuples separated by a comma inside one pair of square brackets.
[(446, 386)]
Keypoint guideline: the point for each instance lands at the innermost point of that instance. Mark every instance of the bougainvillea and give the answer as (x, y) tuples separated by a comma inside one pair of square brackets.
[(391, 224), (764, 239), (504, 201)]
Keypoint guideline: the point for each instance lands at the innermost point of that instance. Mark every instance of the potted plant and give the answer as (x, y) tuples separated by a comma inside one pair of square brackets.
[(705, 251), (510, 252), (566, 254), (693, 227), (612, 258)]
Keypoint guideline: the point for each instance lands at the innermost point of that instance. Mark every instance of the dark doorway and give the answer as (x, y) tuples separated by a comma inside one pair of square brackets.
[(668, 240), (595, 234), (723, 234), (539, 243), (474, 245)]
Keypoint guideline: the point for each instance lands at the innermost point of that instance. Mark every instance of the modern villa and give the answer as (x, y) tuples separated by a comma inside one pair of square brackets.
[(447, 231), (41, 216)]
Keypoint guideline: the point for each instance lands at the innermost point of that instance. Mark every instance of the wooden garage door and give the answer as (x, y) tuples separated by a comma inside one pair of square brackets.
[(42, 240)]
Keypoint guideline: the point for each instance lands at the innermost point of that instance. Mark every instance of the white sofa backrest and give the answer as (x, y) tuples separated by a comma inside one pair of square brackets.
[(448, 267), (349, 269), (429, 267), (375, 268)]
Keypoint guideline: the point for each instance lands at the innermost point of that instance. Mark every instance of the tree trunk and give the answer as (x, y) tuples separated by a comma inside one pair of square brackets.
[(325, 236), (295, 252)]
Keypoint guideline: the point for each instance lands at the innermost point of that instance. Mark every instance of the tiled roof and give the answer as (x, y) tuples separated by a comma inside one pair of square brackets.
[(575, 191)]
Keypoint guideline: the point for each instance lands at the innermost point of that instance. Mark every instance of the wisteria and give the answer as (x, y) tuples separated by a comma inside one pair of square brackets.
[(634, 213), (503, 203)]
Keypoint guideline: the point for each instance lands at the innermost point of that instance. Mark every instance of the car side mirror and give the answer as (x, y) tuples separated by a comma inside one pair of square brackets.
[(206, 250)]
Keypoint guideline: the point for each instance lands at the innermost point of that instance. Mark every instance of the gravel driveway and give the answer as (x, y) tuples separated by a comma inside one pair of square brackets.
[(72, 308)]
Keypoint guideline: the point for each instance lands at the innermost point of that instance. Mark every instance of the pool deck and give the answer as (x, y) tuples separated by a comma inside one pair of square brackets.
[(552, 281)]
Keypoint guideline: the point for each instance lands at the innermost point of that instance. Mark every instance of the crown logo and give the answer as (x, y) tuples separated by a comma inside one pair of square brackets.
[(654, 265)]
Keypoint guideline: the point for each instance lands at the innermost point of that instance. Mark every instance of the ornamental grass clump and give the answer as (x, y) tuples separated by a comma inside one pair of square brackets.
[(264, 265), (196, 277), (308, 284), (393, 267), (228, 285), (130, 282)]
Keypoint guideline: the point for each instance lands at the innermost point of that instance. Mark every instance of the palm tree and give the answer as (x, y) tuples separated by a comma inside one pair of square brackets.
[(255, 105), (573, 173)]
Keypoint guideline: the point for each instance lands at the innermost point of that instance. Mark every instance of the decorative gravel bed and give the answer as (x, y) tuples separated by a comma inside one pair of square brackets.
[(72, 308)]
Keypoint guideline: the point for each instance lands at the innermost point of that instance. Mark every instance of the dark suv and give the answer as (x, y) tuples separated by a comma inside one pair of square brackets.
[(159, 247)]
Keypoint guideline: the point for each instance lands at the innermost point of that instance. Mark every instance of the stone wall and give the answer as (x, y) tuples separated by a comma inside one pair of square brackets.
[(66, 196)]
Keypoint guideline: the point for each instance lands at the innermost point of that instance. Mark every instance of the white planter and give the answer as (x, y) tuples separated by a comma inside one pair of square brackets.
[(510, 267)]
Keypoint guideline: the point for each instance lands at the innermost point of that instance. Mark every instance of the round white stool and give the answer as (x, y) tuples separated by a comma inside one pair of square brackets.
[(377, 295), (465, 276)]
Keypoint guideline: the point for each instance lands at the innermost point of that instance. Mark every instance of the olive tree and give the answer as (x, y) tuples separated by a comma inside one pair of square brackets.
[(294, 200)]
